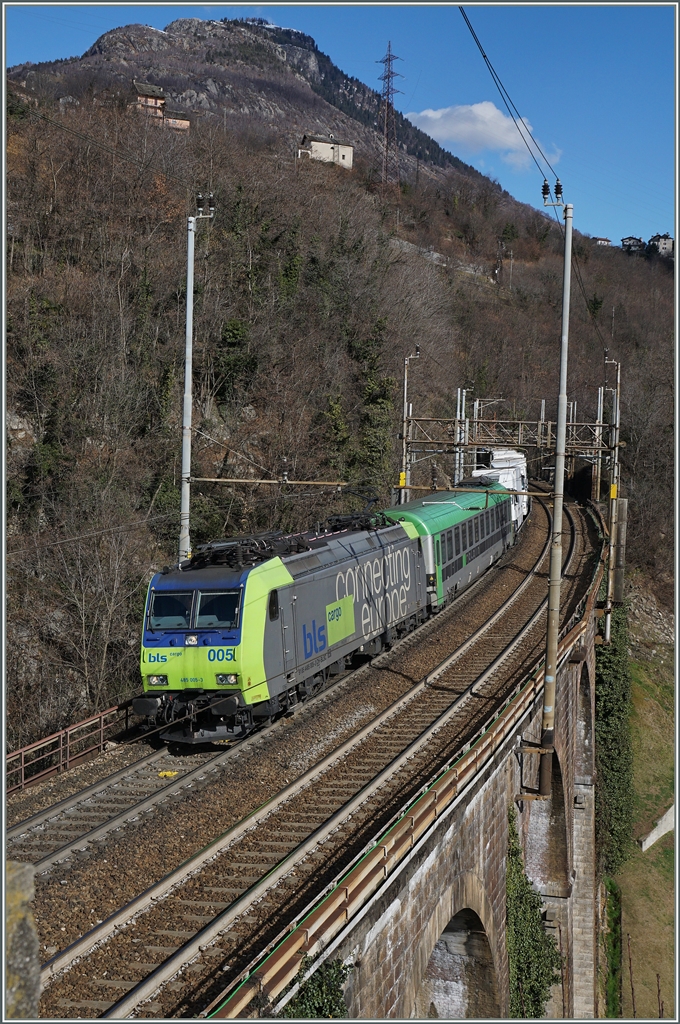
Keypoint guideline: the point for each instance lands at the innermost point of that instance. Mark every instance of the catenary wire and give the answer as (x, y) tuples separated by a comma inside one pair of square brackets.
[(503, 93), (95, 533)]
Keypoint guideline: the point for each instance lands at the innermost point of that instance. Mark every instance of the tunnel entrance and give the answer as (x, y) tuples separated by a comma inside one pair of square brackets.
[(460, 978)]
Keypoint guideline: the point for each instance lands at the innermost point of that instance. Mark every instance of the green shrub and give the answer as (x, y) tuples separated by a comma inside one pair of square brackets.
[(613, 746), (613, 949), (533, 957), (321, 995)]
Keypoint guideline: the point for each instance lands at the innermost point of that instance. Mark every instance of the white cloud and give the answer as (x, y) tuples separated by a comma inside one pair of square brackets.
[(478, 126)]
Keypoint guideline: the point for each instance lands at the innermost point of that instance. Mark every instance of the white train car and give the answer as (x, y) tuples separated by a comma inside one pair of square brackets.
[(509, 468)]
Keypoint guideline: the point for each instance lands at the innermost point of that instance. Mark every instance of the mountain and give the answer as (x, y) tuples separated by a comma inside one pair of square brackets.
[(310, 288), (236, 71)]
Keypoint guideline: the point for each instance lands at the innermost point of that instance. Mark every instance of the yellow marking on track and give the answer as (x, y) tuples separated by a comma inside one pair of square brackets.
[(167, 775)]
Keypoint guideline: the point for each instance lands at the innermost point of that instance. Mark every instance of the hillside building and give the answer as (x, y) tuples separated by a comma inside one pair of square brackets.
[(151, 101), (664, 244), (328, 149), (632, 244), (602, 241), (177, 119)]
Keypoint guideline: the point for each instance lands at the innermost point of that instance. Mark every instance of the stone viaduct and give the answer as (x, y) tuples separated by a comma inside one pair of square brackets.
[(431, 942)]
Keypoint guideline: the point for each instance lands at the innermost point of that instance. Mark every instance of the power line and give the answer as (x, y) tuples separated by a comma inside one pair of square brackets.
[(508, 102), (95, 533), (503, 92), (579, 279), (390, 167), (120, 154)]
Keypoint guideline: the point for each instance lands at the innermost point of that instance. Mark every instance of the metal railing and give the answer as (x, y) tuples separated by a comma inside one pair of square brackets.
[(278, 965), (63, 749)]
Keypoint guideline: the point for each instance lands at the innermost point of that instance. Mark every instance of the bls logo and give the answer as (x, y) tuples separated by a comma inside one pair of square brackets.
[(158, 657), (314, 640)]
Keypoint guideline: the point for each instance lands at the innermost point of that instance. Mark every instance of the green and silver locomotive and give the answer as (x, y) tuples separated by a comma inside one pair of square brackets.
[(249, 627)]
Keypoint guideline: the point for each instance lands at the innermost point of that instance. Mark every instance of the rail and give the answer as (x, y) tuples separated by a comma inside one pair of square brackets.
[(312, 934), (590, 595), (62, 750)]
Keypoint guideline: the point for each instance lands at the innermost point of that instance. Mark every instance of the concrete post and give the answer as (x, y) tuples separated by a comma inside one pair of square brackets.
[(22, 961), (620, 550), (555, 572), (185, 497)]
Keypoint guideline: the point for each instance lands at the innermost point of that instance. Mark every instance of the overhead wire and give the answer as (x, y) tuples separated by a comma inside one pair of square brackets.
[(119, 153), (509, 103), (94, 533), (579, 280)]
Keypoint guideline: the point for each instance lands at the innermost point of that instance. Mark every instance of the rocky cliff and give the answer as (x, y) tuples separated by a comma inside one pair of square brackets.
[(240, 75)]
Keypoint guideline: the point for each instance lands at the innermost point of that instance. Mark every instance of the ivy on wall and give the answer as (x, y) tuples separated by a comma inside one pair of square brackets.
[(321, 995), (613, 950), (613, 746), (533, 957)]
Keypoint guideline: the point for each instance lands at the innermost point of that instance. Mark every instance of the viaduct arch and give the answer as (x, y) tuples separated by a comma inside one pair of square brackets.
[(431, 943)]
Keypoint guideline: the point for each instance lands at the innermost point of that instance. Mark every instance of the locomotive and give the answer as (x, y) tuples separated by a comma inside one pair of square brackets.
[(249, 627)]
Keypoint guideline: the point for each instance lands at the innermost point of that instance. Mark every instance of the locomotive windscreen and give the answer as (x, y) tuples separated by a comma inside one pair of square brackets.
[(218, 610), (170, 611)]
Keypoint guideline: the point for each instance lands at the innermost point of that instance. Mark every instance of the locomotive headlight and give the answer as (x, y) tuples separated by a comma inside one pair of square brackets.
[(224, 680), (191, 640), (157, 680), (432, 579)]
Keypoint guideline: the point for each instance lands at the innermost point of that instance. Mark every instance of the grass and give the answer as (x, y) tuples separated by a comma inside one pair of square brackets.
[(647, 879), (614, 950)]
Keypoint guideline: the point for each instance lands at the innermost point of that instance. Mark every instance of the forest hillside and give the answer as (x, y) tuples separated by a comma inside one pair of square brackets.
[(307, 299)]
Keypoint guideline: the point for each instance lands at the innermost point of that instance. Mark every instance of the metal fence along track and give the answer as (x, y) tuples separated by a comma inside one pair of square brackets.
[(66, 748)]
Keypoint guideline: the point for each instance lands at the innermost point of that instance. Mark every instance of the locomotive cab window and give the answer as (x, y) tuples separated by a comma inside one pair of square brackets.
[(273, 605), (218, 611), (170, 611)]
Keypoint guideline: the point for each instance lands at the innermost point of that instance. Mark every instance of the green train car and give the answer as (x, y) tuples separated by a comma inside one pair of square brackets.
[(249, 627)]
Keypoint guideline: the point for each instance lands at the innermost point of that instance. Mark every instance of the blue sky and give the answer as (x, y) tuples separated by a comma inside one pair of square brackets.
[(596, 83)]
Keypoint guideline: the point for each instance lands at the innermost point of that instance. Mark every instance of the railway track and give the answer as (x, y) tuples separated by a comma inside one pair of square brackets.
[(50, 836), (202, 923), (77, 824)]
